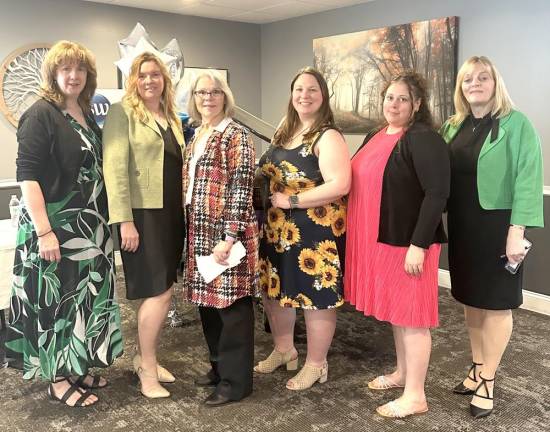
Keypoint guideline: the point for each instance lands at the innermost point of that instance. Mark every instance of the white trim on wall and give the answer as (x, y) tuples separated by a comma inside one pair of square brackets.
[(546, 190), (531, 301)]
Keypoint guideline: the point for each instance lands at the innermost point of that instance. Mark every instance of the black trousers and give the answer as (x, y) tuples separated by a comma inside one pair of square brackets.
[(229, 333)]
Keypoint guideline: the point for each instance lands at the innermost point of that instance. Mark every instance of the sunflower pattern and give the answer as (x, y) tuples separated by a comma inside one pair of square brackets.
[(299, 261)]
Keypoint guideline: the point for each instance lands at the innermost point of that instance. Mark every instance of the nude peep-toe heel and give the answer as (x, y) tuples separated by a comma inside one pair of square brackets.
[(308, 376), (277, 359)]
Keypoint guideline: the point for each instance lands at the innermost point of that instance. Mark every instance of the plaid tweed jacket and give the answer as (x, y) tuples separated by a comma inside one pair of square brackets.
[(221, 203)]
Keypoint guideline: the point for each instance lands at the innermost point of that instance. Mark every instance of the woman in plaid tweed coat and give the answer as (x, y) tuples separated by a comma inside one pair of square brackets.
[(217, 185)]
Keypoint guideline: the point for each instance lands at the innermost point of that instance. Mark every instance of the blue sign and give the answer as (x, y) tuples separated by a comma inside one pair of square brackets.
[(100, 108)]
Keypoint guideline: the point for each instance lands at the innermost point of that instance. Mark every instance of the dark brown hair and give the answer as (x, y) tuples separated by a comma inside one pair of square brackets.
[(291, 122), (418, 90)]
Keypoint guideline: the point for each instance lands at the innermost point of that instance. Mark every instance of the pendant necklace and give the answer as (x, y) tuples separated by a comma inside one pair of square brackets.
[(476, 123)]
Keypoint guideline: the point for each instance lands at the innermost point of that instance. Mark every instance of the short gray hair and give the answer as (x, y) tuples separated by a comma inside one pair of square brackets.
[(229, 104)]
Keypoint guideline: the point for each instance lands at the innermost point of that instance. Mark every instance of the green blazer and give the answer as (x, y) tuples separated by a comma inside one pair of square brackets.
[(509, 169), (133, 161)]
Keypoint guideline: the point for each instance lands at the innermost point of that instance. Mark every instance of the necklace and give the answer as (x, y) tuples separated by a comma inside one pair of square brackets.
[(299, 134), (476, 123)]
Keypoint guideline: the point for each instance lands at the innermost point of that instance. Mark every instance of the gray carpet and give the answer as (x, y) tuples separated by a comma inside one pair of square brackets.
[(362, 349)]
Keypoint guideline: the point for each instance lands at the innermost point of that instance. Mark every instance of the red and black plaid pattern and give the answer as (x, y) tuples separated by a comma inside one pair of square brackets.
[(222, 203)]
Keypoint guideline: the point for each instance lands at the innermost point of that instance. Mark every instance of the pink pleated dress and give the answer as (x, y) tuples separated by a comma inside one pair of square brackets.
[(375, 281)]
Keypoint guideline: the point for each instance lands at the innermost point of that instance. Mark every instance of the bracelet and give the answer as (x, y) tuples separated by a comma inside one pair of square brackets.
[(43, 234), (293, 201), (521, 227)]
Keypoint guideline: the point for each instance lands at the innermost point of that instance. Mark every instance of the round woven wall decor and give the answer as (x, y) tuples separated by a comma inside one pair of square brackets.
[(20, 80)]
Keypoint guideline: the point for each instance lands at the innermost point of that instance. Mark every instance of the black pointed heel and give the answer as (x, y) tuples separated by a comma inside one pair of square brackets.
[(476, 411), (460, 388)]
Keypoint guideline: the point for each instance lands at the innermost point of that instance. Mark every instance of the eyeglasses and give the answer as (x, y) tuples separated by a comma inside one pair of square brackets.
[(216, 93)]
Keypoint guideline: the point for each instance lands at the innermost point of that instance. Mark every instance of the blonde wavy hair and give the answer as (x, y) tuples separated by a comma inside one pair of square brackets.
[(502, 103), (133, 100), (221, 83), (62, 53)]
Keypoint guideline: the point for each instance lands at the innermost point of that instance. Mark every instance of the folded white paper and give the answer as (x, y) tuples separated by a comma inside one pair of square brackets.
[(210, 269)]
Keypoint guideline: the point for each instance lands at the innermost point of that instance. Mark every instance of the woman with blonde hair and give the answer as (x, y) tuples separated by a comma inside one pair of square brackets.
[(217, 186), (143, 141), (64, 319), (496, 193), (309, 172)]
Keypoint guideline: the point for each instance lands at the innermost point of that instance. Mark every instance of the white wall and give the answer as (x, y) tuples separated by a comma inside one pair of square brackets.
[(514, 34), (205, 42)]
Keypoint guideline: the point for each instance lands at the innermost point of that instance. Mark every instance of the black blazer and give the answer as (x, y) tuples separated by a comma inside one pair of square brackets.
[(49, 150), (415, 188)]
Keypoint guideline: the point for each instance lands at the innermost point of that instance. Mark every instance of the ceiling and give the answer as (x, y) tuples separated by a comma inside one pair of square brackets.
[(250, 11)]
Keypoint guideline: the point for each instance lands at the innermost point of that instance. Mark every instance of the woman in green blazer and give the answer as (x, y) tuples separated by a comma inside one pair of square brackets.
[(496, 193), (143, 145)]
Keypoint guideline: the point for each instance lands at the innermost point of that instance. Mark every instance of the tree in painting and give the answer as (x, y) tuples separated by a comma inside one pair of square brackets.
[(357, 65)]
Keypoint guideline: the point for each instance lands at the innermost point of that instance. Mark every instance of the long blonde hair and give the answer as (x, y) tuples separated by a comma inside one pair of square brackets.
[(67, 52), (133, 100), (502, 103)]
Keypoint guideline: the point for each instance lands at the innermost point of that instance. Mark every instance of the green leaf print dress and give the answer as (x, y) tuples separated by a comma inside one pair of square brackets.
[(64, 317)]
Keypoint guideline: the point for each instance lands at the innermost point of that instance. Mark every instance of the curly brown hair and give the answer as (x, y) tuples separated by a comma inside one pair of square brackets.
[(418, 90), (291, 122)]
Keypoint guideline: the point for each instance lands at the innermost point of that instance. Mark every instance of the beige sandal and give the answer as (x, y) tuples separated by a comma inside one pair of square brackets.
[(157, 391), (308, 376), (383, 383), (277, 359), (164, 376), (393, 410)]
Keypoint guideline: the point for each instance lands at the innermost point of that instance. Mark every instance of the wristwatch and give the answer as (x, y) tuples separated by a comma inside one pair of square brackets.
[(293, 200)]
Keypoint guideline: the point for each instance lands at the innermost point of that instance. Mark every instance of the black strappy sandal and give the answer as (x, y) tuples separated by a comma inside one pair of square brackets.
[(84, 395), (96, 379), (476, 411), (460, 388)]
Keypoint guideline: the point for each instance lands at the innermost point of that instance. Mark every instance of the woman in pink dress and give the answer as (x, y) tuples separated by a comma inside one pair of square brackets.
[(400, 186)]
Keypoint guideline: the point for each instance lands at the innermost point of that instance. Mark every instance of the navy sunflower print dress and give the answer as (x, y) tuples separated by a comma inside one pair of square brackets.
[(299, 262)]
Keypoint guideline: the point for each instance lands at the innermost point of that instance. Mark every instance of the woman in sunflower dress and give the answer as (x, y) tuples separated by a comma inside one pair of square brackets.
[(64, 318), (309, 172)]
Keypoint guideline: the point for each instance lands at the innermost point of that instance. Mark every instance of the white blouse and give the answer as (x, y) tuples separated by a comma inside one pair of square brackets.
[(198, 151)]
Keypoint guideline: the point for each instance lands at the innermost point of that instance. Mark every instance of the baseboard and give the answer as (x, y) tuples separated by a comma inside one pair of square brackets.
[(531, 301)]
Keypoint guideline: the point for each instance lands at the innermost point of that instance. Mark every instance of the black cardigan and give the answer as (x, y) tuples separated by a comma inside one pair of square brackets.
[(49, 150), (415, 189)]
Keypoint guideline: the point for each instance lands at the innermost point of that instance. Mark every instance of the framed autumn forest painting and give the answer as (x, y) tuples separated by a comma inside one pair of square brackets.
[(357, 65)]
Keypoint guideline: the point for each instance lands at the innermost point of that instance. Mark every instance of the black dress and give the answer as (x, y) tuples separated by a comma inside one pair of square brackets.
[(477, 237), (152, 269)]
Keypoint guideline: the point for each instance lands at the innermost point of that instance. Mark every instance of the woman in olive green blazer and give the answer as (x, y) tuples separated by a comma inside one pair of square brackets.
[(496, 193), (143, 145)]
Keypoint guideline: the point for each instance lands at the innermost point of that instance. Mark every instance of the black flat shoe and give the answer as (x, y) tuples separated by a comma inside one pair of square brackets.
[(461, 388), (476, 411), (216, 399), (206, 380)]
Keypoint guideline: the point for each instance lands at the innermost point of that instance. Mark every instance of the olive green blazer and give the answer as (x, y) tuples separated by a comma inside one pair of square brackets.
[(133, 160), (509, 169)]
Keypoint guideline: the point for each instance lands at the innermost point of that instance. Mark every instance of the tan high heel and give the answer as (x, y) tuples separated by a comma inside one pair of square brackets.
[(164, 376), (277, 359), (157, 391), (308, 376)]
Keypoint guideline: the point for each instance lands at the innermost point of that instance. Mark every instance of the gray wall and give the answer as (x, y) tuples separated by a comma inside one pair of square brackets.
[(514, 34), (205, 42)]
